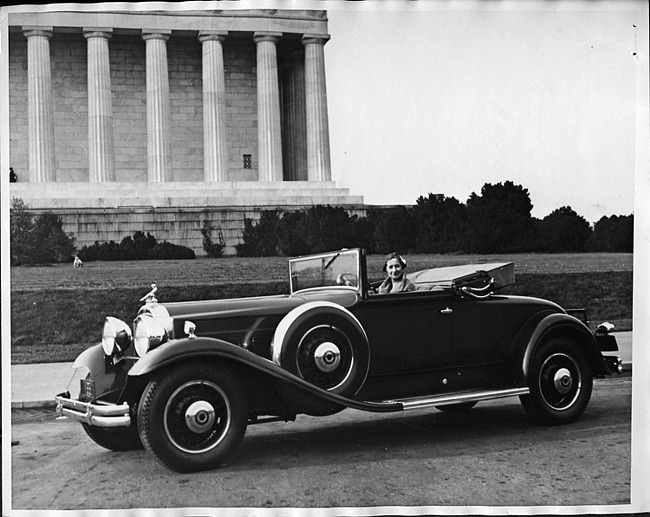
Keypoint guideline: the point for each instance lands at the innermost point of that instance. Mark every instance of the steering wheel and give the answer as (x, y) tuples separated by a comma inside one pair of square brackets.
[(347, 279)]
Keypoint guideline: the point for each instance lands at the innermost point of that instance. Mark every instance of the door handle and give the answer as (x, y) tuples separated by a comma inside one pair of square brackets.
[(446, 311)]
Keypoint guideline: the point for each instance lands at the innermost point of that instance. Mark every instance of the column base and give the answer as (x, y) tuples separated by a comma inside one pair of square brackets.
[(60, 195)]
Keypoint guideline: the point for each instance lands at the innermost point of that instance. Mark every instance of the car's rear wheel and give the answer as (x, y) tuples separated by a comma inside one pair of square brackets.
[(192, 417), (561, 381), (115, 438)]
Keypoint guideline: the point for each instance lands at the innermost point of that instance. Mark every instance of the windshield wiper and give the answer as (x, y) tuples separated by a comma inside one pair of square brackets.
[(331, 260)]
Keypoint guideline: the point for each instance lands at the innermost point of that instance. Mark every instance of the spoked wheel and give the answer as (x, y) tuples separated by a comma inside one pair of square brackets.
[(191, 418), (561, 381)]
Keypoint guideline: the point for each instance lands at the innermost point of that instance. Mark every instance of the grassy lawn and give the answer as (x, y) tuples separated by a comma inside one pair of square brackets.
[(58, 311)]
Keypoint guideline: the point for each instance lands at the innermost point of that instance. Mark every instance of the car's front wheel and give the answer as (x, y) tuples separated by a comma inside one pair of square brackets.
[(561, 381), (191, 417), (115, 439)]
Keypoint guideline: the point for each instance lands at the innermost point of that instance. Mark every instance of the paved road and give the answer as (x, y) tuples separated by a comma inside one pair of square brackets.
[(490, 455)]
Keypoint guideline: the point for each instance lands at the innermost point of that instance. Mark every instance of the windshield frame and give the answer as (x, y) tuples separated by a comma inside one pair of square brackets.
[(326, 261)]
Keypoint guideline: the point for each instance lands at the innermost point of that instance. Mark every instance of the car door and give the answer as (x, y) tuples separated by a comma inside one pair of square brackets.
[(485, 330), (408, 332)]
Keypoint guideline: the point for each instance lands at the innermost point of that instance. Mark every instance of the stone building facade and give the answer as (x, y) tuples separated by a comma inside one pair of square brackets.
[(155, 121)]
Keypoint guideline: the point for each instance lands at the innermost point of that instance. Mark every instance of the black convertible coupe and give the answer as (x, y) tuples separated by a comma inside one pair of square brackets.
[(189, 377)]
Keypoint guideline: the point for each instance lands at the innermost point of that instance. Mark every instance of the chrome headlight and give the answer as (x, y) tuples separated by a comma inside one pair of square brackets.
[(116, 336), (148, 334)]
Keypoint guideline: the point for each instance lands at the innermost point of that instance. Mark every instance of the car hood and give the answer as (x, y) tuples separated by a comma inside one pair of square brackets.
[(254, 306), (258, 306)]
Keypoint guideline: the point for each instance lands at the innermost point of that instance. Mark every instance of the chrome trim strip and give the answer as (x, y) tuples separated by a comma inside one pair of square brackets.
[(109, 415), (457, 398)]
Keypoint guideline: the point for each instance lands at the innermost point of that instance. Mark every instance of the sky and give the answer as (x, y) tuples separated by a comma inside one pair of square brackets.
[(443, 97)]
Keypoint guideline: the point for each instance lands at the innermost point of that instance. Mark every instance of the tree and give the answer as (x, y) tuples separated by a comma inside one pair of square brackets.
[(563, 230), (50, 243), (259, 239), (440, 222), (21, 227), (394, 229), (499, 219), (613, 234)]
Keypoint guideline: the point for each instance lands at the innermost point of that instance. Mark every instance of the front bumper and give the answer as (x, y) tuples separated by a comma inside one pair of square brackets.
[(98, 414)]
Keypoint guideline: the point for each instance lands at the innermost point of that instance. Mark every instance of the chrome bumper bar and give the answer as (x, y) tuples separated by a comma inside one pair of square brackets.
[(101, 415)]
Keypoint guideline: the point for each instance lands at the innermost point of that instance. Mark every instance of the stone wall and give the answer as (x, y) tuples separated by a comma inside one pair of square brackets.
[(176, 225)]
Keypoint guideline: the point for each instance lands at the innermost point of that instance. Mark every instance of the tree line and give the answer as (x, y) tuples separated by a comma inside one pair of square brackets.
[(498, 220)]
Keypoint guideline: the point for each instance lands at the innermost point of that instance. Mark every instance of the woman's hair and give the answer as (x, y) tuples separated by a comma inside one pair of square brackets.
[(394, 255)]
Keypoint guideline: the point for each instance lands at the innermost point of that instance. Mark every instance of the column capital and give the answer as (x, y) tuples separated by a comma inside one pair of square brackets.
[(97, 32), (212, 35), (319, 39), (260, 36), (36, 30), (163, 34)]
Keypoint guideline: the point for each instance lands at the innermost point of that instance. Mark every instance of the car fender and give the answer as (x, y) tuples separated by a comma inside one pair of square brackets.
[(108, 377), (211, 348), (556, 324)]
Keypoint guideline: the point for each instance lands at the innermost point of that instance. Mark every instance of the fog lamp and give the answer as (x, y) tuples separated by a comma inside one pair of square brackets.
[(116, 336)]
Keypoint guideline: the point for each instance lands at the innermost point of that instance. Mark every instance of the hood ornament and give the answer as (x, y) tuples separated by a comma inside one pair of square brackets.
[(150, 297)]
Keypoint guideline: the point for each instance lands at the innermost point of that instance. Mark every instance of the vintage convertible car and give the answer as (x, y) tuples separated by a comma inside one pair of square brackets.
[(191, 376)]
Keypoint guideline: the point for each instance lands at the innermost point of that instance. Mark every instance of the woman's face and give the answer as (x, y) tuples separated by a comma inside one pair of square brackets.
[(394, 269)]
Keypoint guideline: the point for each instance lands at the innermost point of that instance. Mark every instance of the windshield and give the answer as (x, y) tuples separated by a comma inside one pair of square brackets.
[(335, 269)]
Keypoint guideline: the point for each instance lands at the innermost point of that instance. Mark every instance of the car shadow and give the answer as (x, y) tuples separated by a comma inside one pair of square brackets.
[(352, 436)]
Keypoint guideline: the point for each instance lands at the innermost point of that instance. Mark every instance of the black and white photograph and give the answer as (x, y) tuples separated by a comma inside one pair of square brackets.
[(325, 258)]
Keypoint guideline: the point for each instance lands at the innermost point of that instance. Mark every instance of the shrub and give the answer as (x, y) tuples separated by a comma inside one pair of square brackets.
[(321, 228), (169, 251), (39, 240), (211, 249), (259, 239), (139, 247), (20, 232), (394, 229)]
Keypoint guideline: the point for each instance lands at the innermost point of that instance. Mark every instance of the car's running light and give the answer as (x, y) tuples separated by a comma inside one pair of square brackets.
[(116, 336), (148, 334)]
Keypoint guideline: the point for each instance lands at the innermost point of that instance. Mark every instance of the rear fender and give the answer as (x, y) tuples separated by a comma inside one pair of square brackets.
[(553, 325)]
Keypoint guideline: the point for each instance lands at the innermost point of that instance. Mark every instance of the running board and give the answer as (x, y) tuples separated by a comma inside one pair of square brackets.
[(456, 398)]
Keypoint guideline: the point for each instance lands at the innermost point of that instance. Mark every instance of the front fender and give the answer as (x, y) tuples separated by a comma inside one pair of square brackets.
[(203, 347), (108, 378), (557, 324)]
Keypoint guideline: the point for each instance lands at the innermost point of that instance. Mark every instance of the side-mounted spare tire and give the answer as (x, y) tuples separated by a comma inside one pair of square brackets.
[(326, 345)]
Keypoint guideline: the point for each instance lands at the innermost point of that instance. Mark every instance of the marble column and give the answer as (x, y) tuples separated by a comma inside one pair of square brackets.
[(158, 107), (215, 136), (318, 145), (268, 107), (39, 105), (101, 153), (294, 139)]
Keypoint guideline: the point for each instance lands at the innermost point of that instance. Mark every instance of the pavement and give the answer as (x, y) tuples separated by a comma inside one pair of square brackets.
[(36, 385)]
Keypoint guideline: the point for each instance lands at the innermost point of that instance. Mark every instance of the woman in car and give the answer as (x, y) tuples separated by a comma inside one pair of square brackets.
[(396, 281)]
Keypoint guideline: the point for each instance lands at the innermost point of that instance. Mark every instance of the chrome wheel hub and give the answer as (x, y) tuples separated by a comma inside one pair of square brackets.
[(200, 416), (563, 381), (327, 357)]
